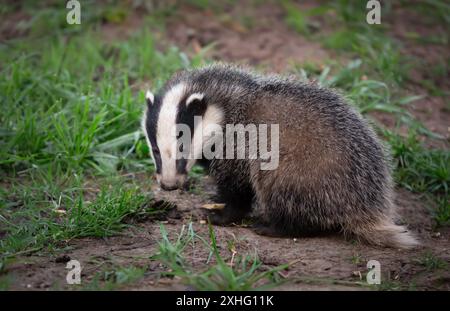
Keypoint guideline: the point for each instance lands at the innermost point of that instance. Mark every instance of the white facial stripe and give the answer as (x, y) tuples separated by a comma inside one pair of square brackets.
[(144, 129), (149, 95), (192, 97), (165, 133), (213, 116)]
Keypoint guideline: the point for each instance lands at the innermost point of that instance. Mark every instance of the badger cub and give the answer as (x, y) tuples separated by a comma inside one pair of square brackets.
[(332, 171)]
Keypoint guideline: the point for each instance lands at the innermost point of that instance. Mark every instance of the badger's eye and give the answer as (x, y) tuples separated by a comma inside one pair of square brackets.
[(155, 152)]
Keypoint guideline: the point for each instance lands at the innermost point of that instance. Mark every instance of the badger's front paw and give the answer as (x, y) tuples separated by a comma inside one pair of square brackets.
[(225, 216), (216, 218)]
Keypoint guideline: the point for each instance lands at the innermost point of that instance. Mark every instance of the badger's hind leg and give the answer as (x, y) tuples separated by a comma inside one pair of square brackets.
[(275, 207), (279, 215)]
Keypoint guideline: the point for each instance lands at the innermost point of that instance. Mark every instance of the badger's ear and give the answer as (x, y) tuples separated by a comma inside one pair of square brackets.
[(150, 98), (193, 98)]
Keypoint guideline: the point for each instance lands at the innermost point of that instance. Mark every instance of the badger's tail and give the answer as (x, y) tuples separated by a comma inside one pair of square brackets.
[(386, 233)]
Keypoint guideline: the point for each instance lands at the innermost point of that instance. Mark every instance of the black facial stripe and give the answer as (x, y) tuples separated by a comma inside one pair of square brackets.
[(186, 116), (181, 166), (151, 127)]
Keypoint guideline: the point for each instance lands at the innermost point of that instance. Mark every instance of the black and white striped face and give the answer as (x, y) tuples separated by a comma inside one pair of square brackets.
[(162, 117)]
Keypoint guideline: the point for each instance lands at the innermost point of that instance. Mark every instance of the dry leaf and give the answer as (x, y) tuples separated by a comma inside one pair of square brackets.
[(213, 206)]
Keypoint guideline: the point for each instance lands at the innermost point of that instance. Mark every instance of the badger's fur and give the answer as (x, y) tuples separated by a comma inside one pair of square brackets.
[(333, 172)]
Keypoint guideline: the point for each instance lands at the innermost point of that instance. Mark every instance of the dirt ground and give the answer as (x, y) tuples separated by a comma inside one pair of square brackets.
[(322, 263)]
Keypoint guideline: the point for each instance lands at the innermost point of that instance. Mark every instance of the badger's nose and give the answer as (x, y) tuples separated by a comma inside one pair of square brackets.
[(168, 187)]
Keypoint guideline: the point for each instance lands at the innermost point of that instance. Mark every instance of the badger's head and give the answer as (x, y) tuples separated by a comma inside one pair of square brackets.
[(165, 112)]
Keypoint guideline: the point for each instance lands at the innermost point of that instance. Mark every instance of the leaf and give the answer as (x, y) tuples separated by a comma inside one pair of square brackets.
[(214, 206), (118, 142)]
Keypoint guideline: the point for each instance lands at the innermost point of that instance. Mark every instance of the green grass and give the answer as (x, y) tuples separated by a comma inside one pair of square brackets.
[(432, 9), (353, 36), (213, 5), (40, 215), (78, 112), (246, 273), (382, 58), (197, 172), (423, 170), (420, 169), (66, 119), (84, 115), (115, 278), (390, 285), (431, 262), (5, 282), (366, 94), (296, 18), (356, 259), (381, 52)]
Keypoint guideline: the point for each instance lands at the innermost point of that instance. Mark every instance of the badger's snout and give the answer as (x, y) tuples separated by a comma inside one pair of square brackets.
[(173, 183), (168, 187)]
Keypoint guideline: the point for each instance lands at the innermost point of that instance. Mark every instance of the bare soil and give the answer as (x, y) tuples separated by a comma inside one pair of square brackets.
[(326, 262), (321, 263), (266, 42)]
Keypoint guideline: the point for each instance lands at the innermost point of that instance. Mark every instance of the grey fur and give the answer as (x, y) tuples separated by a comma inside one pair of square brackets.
[(333, 173)]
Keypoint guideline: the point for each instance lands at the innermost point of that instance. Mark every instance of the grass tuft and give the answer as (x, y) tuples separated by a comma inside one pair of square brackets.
[(422, 170), (48, 218), (245, 273)]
